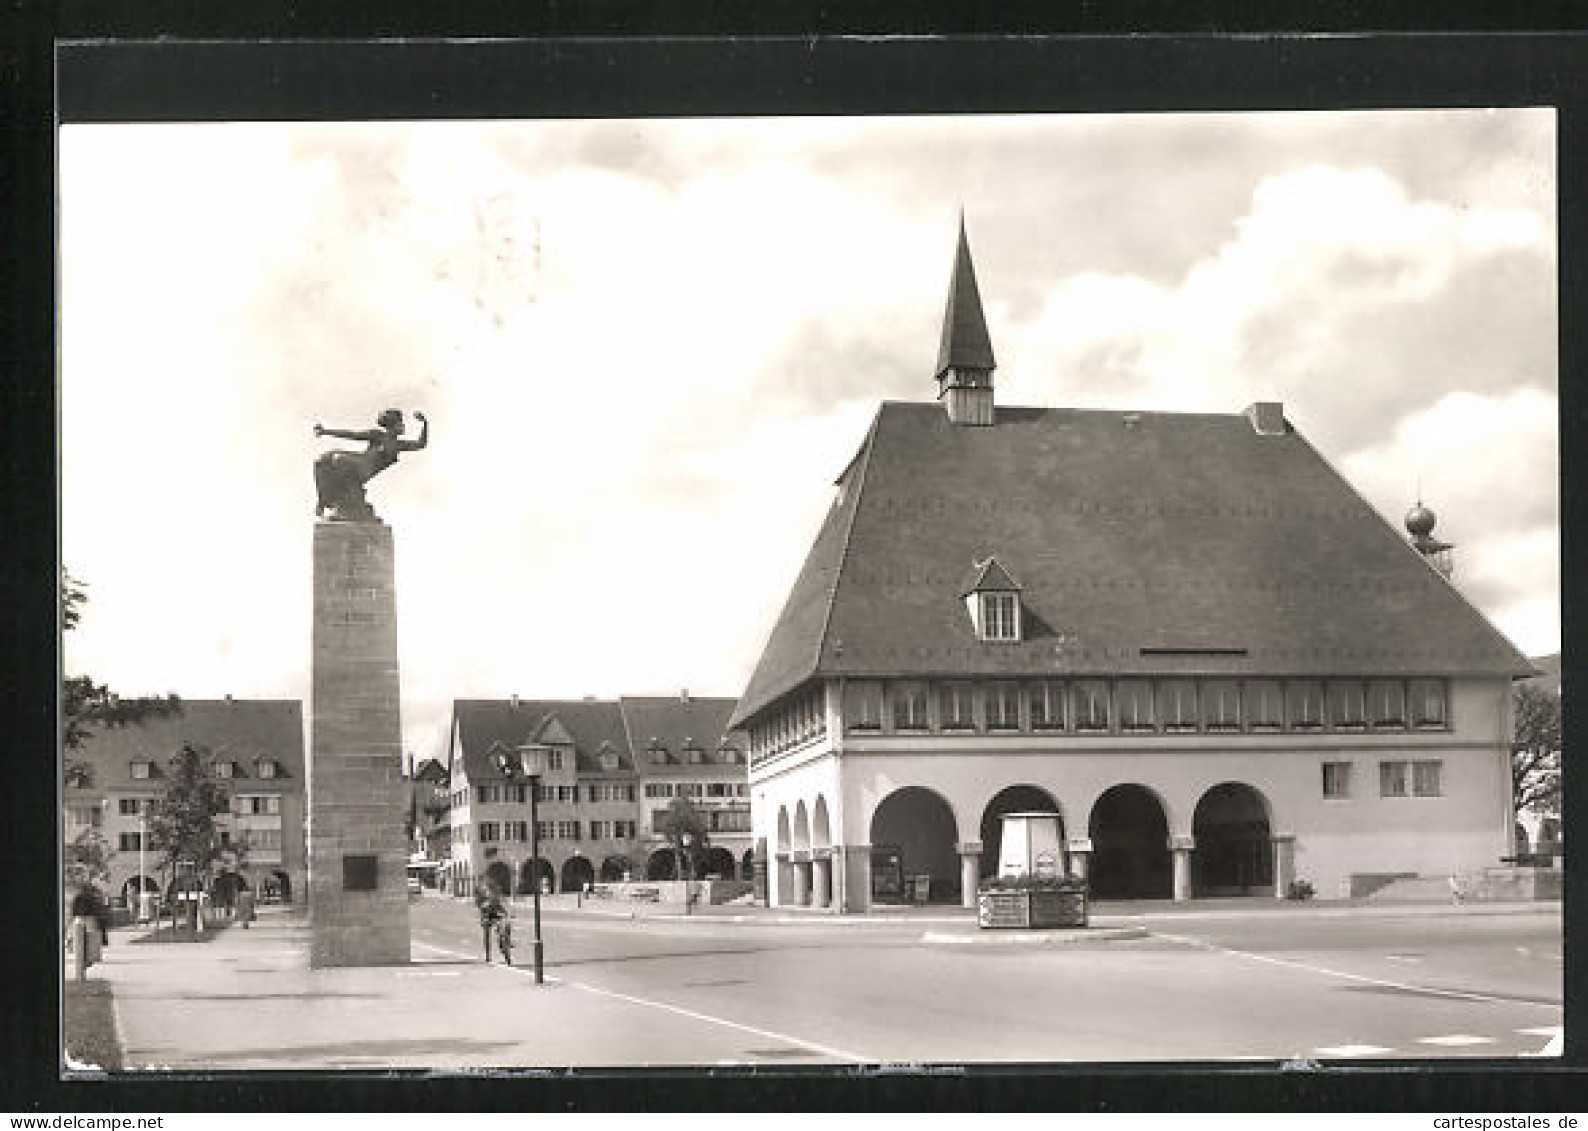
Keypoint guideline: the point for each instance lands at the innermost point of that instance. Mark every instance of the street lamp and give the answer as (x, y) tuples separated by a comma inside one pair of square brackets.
[(686, 839), (530, 762)]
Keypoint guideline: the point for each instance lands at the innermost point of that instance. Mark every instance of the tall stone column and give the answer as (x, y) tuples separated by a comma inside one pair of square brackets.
[(855, 863), (1182, 847), (801, 869), (969, 871), (1081, 857), (358, 899), (1284, 863), (821, 878)]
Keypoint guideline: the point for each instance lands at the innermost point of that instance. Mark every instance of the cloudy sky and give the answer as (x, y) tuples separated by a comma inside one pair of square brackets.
[(646, 349)]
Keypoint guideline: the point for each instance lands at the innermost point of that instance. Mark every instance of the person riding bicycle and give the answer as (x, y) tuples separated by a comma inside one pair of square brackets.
[(488, 898)]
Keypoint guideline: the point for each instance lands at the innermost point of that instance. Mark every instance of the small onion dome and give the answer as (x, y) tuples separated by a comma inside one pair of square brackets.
[(1420, 521)]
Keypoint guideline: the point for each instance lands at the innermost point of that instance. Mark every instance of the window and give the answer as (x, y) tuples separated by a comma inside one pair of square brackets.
[(1221, 705), (1177, 699), (719, 789), (624, 830), (597, 829), (740, 789), (1046, 700), (554, 759), (142, 770), (694, 755), (1003, 706), (1347, 704), (226, 769), (863, 706), (268, 768), (1265, 705), (1000, 616), (226, 837), (515, 831), (568, 830), (1386, 700), (908, 701), (1428, 703), (728, 754), (254, 806), (490, 832), (1392, 779), (1304, 704), (957, 705), (129, 842), (1135, 704), (1425, 778), (545, 793), (567, 793), (1337, 779), (129, 806), (730, 820), (658, 789), (656, 753), (691, 789), (265, 840), (1091, 705)]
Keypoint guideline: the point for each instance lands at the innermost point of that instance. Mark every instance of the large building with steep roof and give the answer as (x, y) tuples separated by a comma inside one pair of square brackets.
[(1185, 633), (252, 747), (613, 767)]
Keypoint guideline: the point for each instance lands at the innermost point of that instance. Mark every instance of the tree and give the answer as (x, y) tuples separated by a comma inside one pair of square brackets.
[(685, 828), (1535, 749), (86, 704), (86, 860), (182, 821)]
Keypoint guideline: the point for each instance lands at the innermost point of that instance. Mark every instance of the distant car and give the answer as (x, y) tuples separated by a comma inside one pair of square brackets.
[(414, 887)]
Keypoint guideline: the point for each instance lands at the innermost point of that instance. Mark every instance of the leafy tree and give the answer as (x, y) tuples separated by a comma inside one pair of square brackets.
[(681, 820), (1535, 749), (182, 821), (86, 704), (86, 860)]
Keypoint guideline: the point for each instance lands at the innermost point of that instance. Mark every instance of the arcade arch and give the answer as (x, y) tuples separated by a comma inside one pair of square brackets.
[(914, 833), (1234, 842), (1012, 799), (577, 871), (1130, 845)]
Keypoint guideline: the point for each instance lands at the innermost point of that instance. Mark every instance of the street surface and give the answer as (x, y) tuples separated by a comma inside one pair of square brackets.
[(1205, 985)]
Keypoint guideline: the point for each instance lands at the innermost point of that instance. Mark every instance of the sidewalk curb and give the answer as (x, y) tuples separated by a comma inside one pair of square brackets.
[(1061, 936)]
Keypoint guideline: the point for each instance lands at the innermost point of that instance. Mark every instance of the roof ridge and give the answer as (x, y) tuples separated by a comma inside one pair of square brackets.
[(863, 458)]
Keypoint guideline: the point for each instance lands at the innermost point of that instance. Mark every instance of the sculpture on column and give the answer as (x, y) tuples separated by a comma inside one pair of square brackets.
[(340, 476)]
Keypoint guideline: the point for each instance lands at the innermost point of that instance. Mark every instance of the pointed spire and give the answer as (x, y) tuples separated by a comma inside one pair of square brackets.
[(966, 343)]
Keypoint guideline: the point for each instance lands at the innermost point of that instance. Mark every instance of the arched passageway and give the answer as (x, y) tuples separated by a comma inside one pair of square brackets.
[(539, 869), (224, 888), (614, 869), (577, 871), (135, 884), (283, 886), (718, 863), (1522, 845), (1130, 846), (500, 876), (1014, 799), (662, 865), (747, 865), (1234, 852), (913, 833)]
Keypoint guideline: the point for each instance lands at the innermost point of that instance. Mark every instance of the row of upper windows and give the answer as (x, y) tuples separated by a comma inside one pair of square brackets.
[(1397, 778), (266, 768), (697, 789), (797, 720), (517, 832), (735, 820), (1169, 705), (519, 794)]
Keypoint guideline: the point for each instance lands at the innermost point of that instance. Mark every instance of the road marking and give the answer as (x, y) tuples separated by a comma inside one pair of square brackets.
[(1460, 995), (1557, 1039), (824, 1050), (1456, 1039), (1353, 1050)]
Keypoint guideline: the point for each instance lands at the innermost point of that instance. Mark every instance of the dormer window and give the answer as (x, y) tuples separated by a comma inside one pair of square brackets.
[(225, 769), (993, 599), (142, 770), (268, 768)]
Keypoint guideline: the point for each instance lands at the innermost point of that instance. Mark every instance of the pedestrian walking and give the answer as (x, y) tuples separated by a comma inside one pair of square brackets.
[(489, 901)]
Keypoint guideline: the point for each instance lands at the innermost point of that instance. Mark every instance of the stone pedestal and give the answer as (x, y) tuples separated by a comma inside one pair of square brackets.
[(358, 899), (1284, 863), (969, 871), (1081, 857)]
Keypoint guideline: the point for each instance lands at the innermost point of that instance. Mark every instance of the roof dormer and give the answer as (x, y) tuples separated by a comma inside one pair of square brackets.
[(993, 600)]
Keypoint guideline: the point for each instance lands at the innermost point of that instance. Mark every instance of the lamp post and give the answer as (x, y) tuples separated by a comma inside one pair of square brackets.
[(686, 839), (528, 765)]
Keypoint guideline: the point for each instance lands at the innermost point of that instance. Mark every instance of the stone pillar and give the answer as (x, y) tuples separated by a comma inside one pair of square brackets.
[(1284, 863), (802, 879), (821, 878), (358, 898), (1080, 856), (783, 890), (1182, 847), (854, 862), (969, 871)]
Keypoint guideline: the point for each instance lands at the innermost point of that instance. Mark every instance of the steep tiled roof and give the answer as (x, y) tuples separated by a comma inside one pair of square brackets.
[(483, 722), (1144, 542), (965, 342), (239, 730), (674, 722)]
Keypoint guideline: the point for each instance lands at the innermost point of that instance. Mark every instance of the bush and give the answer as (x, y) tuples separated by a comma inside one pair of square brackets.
[(1299, 889)]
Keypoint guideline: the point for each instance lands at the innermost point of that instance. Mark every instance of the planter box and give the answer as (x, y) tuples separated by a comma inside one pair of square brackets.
[(1030, 910)]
